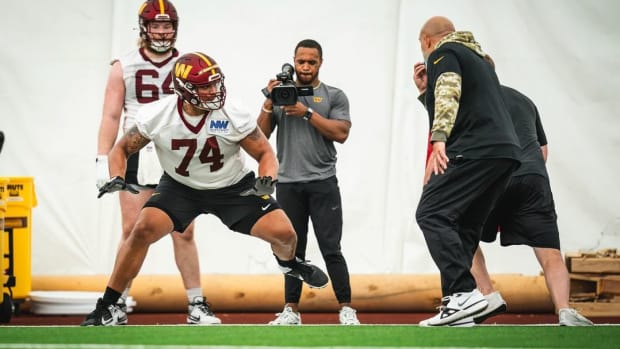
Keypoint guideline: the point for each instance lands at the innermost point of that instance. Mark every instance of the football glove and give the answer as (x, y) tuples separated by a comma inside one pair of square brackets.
[(102, 170), (115, 184), (263, 186)]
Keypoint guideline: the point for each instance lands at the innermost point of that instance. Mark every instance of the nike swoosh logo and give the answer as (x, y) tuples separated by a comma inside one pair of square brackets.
[(264, 208), (463, 302), (106, 322), (438, 59)]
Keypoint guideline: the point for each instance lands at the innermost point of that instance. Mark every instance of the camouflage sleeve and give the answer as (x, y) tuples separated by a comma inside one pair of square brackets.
[(447, 96)]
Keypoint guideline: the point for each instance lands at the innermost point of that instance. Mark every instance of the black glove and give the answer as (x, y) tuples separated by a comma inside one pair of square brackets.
[(263, 186), (115, 184)]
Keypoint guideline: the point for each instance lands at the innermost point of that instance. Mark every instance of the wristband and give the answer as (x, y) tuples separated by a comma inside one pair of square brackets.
[(308, 114)]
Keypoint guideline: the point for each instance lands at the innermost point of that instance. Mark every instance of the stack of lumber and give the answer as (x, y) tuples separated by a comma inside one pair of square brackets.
[(595, 282)]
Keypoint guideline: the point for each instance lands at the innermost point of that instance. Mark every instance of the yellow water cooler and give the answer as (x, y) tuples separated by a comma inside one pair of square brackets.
[(17, 200)]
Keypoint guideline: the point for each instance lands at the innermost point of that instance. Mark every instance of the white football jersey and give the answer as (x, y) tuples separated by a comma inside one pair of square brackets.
[(201, 152), (145, 82)]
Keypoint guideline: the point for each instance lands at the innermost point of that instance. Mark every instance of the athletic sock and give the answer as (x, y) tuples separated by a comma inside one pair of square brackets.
[(192, 293), (110, 296), (287, 264), (124, 295)]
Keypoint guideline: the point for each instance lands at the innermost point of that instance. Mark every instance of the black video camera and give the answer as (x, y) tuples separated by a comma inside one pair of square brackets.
[(287, 92)]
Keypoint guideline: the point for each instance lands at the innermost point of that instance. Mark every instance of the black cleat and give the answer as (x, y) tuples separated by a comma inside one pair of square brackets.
[(308, 273), (105, 315)]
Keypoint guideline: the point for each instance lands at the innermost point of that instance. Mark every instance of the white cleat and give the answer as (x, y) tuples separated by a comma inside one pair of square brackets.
[(198, 313)]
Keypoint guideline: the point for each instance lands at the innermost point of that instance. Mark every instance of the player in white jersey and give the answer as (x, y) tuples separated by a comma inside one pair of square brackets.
[(199, 140), (166, 120), (137, 78)]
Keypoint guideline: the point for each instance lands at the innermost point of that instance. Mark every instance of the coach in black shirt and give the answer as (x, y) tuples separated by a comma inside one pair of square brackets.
[(475, 151)]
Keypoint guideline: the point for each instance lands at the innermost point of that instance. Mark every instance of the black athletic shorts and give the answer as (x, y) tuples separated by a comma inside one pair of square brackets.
[(131, 173), (183, 204), (524, 215)]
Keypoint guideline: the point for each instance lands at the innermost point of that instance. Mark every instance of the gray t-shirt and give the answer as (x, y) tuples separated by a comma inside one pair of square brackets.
[(304, 154)]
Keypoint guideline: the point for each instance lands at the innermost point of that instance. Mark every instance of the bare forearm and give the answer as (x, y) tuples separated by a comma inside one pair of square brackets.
[(268, 165), (112, 110), (108, 130), (265, 118), (117, 160), (258, 147), (335, 130), (130, 143), (264, 122)]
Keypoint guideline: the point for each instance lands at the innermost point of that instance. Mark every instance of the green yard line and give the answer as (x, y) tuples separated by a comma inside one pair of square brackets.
[(325, 336)]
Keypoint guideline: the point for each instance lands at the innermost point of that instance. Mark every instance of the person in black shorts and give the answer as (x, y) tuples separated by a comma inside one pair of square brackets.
[(525, 214), (199, 138), (136, 78), (474, 152), (526, 209)]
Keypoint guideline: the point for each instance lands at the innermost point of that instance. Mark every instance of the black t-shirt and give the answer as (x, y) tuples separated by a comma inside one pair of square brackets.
[(483, 128), (528, 127)]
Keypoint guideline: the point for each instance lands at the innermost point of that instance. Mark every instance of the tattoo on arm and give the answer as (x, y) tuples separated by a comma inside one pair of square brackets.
[(135, 141), (254, 143)]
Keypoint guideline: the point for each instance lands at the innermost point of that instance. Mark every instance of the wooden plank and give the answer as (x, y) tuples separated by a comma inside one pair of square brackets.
[(604, 286), (582, 284), (583, 297), (597, 309), (609, 285), (601, 265), (568, 257)]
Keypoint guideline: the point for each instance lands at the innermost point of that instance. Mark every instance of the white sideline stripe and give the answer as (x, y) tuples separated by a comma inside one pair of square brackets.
[(146, 346)]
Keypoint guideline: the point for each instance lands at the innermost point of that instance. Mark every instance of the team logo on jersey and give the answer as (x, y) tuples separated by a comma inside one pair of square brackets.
[(317, 99), (219, 127)]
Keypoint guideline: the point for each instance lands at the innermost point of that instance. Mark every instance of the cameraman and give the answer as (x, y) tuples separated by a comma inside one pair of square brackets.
[(307, 184)]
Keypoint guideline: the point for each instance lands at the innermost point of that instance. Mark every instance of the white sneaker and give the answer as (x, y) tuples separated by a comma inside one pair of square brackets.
[(467, 321), (571, 317), (348, 316), (287, 317), (456, 307), (122, 311), (497, 305), (198, 313)]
